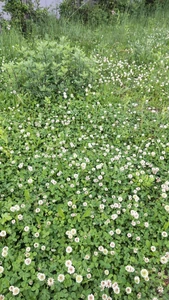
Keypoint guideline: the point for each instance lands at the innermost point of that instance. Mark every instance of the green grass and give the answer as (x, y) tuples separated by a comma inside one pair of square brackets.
[(84, 179)]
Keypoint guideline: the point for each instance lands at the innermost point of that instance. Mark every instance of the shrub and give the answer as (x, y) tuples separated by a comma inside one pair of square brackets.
[(51, 68), (86, 12)]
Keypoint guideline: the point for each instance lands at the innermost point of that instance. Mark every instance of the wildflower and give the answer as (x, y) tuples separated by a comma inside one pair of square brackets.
[(164, 234), (116, 290), (73, 231), (4, 253), (2, 297), (41, 276), (112, 244), (1, 269), (79, 278), (27, 261), (153, 248), (160, 289), (129, 269), (137, 279), (26, 228), (3, 233), (128, 290), (90, 297), (30, 180), (50, 281), (69, 249), (68, 263), (144, 273), (71, 270), (15, 291), (61, 277), (166, 208), (163, 260)]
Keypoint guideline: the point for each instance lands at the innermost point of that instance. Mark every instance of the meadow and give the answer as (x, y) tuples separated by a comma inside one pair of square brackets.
[(84, 171)]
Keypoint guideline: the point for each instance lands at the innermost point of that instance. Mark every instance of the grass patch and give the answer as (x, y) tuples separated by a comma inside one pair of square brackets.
[(84, 177)]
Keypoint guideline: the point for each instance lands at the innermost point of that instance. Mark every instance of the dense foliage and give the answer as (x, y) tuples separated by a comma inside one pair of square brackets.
[(84, 150), (101, 11), (51, 68), (24, 13)]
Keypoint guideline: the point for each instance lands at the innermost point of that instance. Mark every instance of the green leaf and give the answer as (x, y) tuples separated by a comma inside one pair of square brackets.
[(166, 225), (86, 214), (5, 218), (27, 195), (60, 212), (148, 244)]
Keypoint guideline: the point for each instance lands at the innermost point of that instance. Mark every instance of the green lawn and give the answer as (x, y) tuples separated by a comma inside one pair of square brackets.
[(84, 170)]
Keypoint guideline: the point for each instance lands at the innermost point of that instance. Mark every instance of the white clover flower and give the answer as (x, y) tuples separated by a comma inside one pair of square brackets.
[(2, 297), (5, 248), (69, 249), (68, 263), (36, 234), (61, 277), (3, 233), (20, 166), (166, 208), (20, 217), (105, 251), (73, 231), (146, 259), (90, 297), (118, 231), (41, 276), (128, 290), (27, 261), (26, 228), (30, 180), (129, 269), (144, 273), (83, 166), (4, 253), (116, 290), (1, 269), (79, 278), (15, 291), (50, 281), (106, 272), (71, 270), (164, 234), (153, 248), (112, 244), (164, 260), (137, 279)]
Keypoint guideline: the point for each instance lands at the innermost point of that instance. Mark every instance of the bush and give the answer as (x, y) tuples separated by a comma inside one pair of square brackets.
[(24, 14), (87, 13), (52, 68)]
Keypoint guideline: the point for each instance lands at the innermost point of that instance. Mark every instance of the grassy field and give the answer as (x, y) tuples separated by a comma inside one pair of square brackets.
[(84, 147)]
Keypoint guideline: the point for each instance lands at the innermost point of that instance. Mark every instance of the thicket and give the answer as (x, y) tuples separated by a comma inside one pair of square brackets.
[(101, 11), (24, 13)]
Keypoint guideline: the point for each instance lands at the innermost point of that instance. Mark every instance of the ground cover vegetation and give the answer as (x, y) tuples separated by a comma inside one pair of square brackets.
[(84, 147)]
